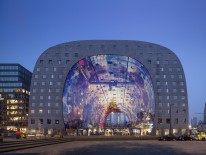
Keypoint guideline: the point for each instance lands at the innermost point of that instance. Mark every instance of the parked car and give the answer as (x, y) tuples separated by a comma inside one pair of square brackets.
[(167, 138), (185, 137)]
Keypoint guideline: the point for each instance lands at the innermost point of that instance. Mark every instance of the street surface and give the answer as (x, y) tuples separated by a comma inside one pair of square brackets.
[(142, 147)]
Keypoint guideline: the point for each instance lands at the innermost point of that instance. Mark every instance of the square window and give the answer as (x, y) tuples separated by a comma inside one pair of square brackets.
[(33, 104), (37, 69), (32, 121), (42, 90), (48, 121), (56, 121), (32, 111), (42, 83), (168, 121), (44, 76)]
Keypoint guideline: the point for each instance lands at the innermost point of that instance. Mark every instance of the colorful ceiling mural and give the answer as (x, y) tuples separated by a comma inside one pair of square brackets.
[(97, 86)]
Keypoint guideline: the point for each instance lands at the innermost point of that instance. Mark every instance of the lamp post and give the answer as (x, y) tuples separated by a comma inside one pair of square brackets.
[(170, 132)]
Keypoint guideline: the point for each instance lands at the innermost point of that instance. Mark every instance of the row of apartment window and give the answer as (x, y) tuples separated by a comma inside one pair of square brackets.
[(50, 83), (41, 111), (167, 83), (170, 97), (49, 121), (42, 97), (183, 111), (167, 76), (9, 73), (9, 78), (44, 76), (9, 67), (174, 104), (162, 69), (10, 84), (42, 104), (43, 90), (46, 69), (14, 90), (167, 90), (176, 121), (165, 62), (57, 61)]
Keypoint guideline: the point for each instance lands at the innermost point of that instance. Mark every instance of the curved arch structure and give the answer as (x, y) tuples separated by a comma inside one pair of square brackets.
[(102, 84), (55, 75)]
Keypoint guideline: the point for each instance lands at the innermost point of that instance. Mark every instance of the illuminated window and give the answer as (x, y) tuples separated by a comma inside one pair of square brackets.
[(40, 111), (55, 69), (56, 121), (32, 111)]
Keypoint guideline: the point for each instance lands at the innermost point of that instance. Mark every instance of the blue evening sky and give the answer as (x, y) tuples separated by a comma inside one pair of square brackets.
[(28, 27)]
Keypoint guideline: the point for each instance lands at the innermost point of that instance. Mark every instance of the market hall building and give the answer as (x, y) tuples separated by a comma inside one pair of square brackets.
[(109, 87)]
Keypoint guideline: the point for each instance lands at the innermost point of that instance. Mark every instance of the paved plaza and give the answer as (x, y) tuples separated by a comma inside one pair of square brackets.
[(150, 147)]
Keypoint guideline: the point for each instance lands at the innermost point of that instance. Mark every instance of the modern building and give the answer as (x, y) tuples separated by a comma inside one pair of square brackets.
[(108, 87), (204, 119), (14, 96), (194, 122)]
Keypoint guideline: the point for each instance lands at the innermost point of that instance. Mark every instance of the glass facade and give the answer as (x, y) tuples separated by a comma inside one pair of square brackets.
[(108, 91), (14, 96)]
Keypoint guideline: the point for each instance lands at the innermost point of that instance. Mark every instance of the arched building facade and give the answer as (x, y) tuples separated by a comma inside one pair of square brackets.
[(113, 86)]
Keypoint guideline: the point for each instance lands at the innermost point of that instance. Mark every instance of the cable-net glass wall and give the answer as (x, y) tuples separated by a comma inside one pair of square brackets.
[(108, 91)]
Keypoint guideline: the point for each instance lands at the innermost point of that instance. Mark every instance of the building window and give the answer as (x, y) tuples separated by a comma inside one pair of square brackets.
[(35, 83), (58, 83), (76, 55), (159, 120), (174, 83), (57, 104), (67, 61), (168, 97), (46, 69), (183, 104), (160, 104), (44, 76), (57, 90), (164, 76), (176, 121), (49, 104), (56, 121), (167, 90), (42, 90), (35, 76), (60, 76), (166, 83), (66, 54), (158, 62), (183, 97), (50, 83), (50, 61), (174, 90), (170, 69), (57, 111), (41, 104), (162, 69), (175, 97), (182, 90), (40, 111), (180, 76), (172, 76), (33, 97), (34, 90), (52, 76), (158, 83), (41, 61), (42, 83), (159, 90), (59, 62), (178, 69), (160, 97), (32, 121), (48, 121), (33, 104), (49, 111), (182, 83), (168, 121), (55, 69), (49, 97), (37, 69), (41, 97), (149, 61), (57, 97), (32, 111), (41, 121), (49, 90)]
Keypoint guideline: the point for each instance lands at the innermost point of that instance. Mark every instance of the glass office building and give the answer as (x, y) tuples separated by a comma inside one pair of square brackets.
[(14, 96), (108, 87)]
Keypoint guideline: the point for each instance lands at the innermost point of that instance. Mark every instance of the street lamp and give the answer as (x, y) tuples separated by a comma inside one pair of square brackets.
[(170, 132)]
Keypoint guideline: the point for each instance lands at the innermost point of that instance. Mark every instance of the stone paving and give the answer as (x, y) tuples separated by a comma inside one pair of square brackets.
[(142, 147)]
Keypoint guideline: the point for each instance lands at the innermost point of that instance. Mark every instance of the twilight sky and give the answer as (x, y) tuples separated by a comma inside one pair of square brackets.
[(29, 27)]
